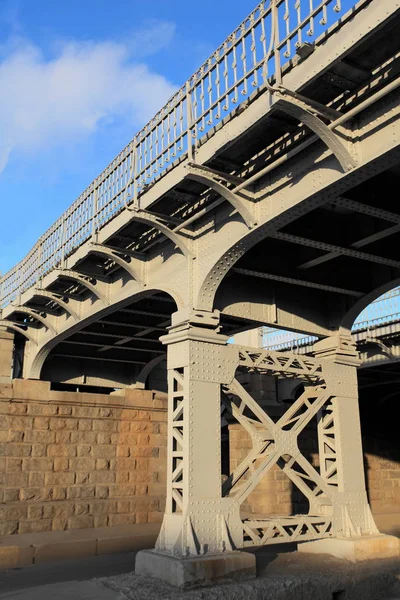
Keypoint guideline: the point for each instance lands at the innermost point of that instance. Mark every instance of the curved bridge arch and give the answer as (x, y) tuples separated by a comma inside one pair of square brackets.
[(357, 308), (38, 358)]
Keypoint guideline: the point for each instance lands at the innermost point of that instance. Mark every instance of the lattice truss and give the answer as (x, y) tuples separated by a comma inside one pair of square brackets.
[(175, 492), (277, 444)]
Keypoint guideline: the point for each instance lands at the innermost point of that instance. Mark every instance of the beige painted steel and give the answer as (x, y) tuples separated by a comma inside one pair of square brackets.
[(202, 515)]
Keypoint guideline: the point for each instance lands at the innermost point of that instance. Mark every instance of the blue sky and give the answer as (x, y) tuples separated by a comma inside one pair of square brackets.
[(78, 78)]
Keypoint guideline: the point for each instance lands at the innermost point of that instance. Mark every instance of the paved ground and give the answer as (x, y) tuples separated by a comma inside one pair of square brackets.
[(287, 576)]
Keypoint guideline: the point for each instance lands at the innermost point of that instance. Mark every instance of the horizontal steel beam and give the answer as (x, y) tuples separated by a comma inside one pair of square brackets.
[(364, 209), (300, 282), (103, 347), (294, 239), (101, 358), (133, 325)]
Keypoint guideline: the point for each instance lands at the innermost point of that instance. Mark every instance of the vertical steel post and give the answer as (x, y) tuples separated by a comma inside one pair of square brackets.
[(275, 34), (135, 181), (197, 519), (39, 261), (344, 459), (62, 243), (94, 211), (189, 122)]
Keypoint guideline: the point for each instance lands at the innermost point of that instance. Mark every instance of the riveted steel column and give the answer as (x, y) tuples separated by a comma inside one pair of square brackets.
[(197, 520), (339, 435)]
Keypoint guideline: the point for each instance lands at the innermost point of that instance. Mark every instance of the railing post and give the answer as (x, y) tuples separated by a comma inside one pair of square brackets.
[(62, 243), (135, 175), (39, 260), (189, 122), (275, 34), (94, 211)]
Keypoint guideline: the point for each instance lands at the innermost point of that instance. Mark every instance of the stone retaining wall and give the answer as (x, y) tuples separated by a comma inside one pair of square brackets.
[(78, 460)]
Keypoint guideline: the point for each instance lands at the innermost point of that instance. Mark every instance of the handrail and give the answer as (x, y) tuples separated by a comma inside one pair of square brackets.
[(226, 79)]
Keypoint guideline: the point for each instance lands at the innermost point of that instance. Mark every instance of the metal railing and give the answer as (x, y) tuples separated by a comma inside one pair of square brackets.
[(260, 47), (384, 310)]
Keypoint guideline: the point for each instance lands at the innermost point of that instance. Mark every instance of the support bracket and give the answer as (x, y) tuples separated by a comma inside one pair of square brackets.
[(211, 180), (56, 299), (311, 114), (134, 270), (11, 325), (32, 313), (146, 217), (69, 274)]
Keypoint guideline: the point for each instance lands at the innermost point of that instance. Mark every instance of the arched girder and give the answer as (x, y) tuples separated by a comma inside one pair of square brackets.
[(141, 379), (147, 218), (353, 312), (298, 109), (56, 299), (15, 327), (35, 362), (33, 313), (209, 180), (133, 267), (84, 281)]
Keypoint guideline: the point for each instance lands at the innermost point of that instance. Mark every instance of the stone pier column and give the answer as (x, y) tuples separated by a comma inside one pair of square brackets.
[(200, 527), (6, 356)]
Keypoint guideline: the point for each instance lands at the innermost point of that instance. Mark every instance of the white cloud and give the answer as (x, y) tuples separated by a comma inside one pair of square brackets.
[(49, 103)]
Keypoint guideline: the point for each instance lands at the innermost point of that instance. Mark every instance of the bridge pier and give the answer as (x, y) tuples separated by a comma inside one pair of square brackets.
[(339, 439), (203, 531)]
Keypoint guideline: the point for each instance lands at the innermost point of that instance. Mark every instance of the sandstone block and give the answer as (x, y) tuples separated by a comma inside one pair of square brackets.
[(41, 437), (8, 528), (38, 464), (43, 410), (81, 491), (39, 450), (35, 526), (36, 479), (82, 464), (21, 423), (102, 477), (59, 524), (61, 423), (12, 464), (41, 423), (61, 464), (11, 495), (63, 437), (103, 451), (82, 522), (102, 491), (101, 520), (61, 450)]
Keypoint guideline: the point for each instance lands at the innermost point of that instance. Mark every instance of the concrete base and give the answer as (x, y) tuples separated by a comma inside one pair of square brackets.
[(355, 549), (198, 571)]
